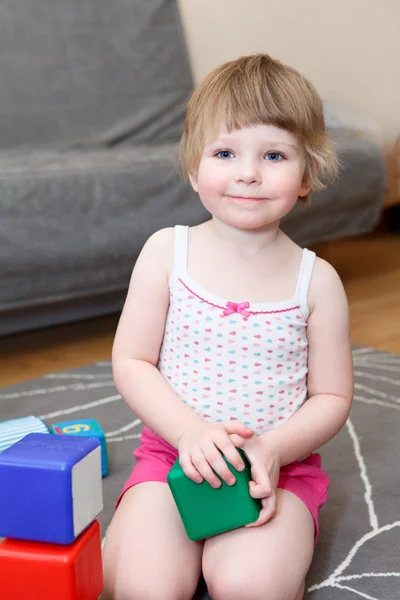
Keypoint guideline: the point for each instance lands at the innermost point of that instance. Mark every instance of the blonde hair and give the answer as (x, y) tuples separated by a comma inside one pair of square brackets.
[(258, 90)]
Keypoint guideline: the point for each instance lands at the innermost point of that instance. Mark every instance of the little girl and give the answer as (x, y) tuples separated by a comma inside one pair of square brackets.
[(233, 336)]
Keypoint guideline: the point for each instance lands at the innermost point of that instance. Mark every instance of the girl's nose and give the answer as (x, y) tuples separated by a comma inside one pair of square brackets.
[(248, 172)]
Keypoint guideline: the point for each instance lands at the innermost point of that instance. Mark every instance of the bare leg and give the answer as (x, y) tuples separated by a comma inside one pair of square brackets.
[(263, 563), (301, 593), (147, 554)]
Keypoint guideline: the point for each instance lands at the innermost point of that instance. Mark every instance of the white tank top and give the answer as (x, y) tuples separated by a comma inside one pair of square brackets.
[(230, 360)]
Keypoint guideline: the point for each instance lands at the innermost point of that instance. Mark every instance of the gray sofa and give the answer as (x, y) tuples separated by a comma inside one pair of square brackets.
[(92, 99)]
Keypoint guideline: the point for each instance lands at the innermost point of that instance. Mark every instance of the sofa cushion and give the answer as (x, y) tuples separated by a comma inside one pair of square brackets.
[(98, 71), (73, 224)]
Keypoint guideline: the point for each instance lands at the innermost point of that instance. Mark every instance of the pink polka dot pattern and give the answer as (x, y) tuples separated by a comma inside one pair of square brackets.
[(248, 368)]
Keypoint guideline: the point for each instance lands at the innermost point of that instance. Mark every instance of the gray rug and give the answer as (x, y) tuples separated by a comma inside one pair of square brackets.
[(358, 551)]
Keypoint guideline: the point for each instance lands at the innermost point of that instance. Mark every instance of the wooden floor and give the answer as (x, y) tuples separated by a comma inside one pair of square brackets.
[(369, 267)]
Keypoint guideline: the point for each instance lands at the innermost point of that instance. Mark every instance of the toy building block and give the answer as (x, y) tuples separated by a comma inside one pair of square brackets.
[(13, 431), (47, 571), (208, 511), (51, 487), (88, 428)]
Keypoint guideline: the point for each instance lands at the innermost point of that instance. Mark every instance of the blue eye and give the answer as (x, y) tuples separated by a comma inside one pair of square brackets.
[(274, 156), (224, 154)]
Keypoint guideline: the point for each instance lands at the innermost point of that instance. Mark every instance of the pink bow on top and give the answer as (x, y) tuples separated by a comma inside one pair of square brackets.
[(233, 307)]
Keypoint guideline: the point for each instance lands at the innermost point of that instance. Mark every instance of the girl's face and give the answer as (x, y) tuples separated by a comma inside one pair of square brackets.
[(252, 177)]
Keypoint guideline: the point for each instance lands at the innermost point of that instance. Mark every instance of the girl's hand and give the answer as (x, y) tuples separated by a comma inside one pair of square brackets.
[(265, 468), (200, 451)]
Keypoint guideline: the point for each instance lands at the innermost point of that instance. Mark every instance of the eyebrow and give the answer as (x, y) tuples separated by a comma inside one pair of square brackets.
[(224, 140)]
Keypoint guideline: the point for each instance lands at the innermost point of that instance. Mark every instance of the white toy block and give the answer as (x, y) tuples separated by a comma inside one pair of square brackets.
[(16, 429)]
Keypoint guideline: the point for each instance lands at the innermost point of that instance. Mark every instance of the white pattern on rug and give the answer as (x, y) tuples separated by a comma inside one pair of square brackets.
[(365, 359)]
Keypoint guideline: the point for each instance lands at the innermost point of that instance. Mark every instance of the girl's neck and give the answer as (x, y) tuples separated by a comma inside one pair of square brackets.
[(251, 242)]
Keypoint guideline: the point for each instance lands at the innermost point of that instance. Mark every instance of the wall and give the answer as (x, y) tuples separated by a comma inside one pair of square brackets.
[(350, 49)]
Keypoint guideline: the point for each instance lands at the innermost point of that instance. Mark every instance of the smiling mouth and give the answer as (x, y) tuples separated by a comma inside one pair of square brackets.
[(248, 198)]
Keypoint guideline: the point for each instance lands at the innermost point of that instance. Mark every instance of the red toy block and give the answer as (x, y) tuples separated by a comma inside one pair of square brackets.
[(40, 571)]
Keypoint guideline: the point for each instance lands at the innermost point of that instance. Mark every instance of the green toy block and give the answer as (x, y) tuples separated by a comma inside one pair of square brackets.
[(208, 511)]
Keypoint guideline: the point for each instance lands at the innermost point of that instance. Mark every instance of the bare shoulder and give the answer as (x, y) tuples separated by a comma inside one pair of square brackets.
[(161, 241), (159, 249), (325, 286), (142, 322)]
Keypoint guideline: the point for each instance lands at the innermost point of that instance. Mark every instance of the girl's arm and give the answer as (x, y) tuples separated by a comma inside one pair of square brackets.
[(330, 372), (138, 341)]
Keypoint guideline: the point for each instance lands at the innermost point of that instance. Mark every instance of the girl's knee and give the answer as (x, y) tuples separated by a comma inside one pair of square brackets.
[(138, 584), (139, 589), (238, 585)]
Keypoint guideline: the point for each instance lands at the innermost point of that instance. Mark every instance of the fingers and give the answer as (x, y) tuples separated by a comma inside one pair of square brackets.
[(213, 457), (267, 511), (197, 466), (228, 449), (260, 490), (237, 440), (206, 465), (189, 469), (260, 487), (238, 428), (202, 457)]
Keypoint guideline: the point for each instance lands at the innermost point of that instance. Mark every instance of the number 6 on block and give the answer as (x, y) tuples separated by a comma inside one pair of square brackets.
[(86, 428)]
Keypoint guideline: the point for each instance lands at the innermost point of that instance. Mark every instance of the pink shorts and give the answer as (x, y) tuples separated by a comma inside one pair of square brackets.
[(305, 479)]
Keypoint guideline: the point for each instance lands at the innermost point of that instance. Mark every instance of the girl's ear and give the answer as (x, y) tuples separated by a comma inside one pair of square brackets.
[(193, 181), (306, 186), (304, 190)]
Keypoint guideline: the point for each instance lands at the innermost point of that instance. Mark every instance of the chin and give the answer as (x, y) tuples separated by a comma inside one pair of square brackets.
[(248, 224)]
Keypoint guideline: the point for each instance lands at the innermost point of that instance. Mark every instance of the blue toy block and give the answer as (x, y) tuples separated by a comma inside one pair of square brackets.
[(87, 428), (16, 429), (51, 488)]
